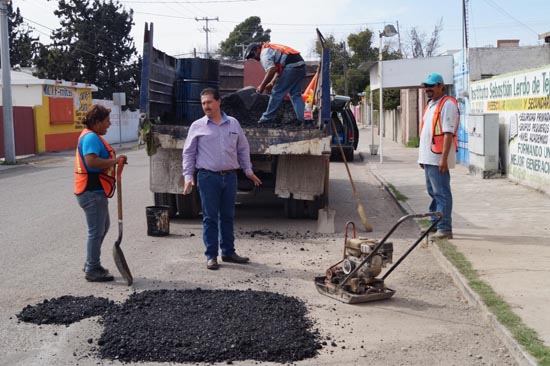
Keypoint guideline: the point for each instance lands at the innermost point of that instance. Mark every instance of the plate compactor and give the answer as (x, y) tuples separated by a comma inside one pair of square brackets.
[(354, 279)]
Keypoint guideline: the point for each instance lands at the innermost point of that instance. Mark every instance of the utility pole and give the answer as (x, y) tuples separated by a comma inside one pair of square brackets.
[(398, 38), (206, 30), (345, 69), (9, 139), (242, 46)]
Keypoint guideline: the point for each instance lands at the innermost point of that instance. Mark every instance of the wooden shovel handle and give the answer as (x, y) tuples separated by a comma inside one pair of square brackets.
[(119, 168)]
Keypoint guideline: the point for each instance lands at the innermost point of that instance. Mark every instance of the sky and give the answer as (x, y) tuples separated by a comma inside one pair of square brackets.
[(293, 22)]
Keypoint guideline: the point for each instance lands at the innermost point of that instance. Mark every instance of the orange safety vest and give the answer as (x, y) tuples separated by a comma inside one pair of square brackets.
[(437, 132), (285, 50), (82, 176)]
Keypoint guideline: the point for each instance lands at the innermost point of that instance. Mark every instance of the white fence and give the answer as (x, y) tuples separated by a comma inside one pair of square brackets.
[(124, 124)]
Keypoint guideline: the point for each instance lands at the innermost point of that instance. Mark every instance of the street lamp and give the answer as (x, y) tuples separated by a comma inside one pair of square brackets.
[(389, 31)]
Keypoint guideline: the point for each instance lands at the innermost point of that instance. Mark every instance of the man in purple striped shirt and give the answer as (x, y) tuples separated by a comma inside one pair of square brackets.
[(216, 146)]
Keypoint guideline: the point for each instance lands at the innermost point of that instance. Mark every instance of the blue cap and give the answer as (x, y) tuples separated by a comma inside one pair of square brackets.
[(433, 79)]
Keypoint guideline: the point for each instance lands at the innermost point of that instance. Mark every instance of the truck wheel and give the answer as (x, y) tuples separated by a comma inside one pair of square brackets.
[(349, 154), (167, 199), (313, 207), (294, 209), (189, 206)]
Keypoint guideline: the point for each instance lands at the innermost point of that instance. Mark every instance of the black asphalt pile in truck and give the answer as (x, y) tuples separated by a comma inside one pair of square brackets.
[(247, 106)]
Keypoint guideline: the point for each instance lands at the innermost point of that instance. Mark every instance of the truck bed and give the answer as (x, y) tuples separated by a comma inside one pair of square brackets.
[(270, 141)]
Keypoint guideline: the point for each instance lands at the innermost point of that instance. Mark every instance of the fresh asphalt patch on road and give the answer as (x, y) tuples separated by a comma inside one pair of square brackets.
[(183, 325)]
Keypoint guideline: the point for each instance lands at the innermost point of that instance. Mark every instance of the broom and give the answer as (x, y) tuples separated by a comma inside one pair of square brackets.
[(360, 209)]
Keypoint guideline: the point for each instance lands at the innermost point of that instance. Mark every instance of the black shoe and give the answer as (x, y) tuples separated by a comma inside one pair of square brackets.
[(99, 275), (212, 264), (264, 121), (235, 258)]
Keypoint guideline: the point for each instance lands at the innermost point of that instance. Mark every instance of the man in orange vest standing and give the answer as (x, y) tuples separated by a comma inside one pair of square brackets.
[(437, 150), (285, 70)]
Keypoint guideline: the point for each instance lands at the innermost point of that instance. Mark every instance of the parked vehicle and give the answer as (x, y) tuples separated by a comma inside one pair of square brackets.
[(292, 162), (346, 128)]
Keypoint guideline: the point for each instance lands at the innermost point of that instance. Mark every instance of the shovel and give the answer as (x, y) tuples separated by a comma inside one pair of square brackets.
[(360, 209), (118, 255)]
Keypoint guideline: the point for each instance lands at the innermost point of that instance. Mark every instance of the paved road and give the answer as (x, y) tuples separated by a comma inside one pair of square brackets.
[(43, 236)]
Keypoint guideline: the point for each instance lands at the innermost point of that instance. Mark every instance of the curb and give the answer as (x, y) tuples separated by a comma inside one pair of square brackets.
[(519, 354)]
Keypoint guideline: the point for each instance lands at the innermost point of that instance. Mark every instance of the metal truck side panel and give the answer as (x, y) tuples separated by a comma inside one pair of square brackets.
[(300, 175), (165, 173)]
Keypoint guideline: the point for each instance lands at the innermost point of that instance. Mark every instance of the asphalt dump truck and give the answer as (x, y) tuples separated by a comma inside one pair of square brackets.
[(292, 160)]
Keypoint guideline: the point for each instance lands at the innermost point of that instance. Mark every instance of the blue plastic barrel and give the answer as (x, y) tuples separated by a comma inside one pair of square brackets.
[(194, 75)]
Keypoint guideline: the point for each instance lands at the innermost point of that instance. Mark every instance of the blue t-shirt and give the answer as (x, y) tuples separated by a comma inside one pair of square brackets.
[(91, 144)]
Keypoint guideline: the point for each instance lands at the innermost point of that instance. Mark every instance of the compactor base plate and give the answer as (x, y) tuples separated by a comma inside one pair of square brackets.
[(338, 293)]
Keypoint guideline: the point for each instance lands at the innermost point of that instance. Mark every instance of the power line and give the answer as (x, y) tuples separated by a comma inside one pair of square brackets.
[(501, 9), (164, 15), (128, 67)]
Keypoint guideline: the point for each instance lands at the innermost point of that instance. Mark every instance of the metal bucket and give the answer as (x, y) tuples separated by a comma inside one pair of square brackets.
[(373, 149), (158, 220)]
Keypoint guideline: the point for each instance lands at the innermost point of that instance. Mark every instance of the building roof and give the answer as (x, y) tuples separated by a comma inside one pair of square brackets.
[(23, 78)]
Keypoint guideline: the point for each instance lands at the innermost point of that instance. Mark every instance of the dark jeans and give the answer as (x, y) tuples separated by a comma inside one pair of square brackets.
[(290, 81), (96, 208), (439, 188), (218, 194)]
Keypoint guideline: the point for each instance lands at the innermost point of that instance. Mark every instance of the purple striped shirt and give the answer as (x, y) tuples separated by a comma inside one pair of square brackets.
[(215, 147)]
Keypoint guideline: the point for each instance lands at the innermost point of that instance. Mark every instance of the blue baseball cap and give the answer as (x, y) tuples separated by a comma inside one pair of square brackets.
[(433, 79)]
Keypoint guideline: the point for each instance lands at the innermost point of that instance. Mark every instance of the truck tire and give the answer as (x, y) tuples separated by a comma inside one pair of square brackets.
[(167, 199), (313, 207), (294, 209), (189, 206), (349, 154)]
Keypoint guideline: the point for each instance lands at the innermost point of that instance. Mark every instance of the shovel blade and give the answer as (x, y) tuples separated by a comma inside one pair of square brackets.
[(121, 264), (325, 221)]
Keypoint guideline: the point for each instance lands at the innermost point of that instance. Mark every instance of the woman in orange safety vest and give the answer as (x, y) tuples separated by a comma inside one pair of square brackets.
[(94, 172)]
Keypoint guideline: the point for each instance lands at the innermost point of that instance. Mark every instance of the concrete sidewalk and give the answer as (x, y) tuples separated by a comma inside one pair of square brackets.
[(501, 227)]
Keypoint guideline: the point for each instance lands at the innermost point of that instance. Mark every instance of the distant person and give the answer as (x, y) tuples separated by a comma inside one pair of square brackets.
[(216, 146), (437, 150), (285, 70), (94, 183)]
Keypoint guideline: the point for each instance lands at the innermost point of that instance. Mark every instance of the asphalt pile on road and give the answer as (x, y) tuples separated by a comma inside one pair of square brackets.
[(65, 310), (277, 235), (209, 326), (191, 325), (247, 107)]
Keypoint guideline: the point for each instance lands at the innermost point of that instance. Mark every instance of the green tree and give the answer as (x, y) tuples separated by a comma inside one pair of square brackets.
[(351, 64), (361, 46), (250, 30), (23, 47), (339, 62), (93, 45)]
